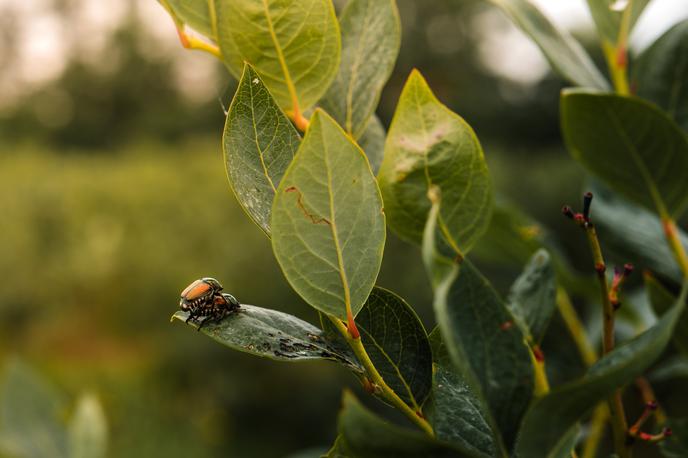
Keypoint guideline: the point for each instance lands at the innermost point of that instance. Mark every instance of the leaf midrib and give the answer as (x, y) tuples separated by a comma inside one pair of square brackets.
[(333, 227), (280, 56), (638, 160)]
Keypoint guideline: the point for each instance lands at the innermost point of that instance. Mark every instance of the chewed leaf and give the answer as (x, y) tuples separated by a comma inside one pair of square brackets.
[(275, 335)]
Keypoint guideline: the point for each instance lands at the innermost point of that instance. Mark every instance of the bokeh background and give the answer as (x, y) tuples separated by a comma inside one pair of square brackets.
[(113, 197)]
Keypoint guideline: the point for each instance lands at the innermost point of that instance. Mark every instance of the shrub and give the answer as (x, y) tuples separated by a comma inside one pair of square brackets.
[(313, 167)]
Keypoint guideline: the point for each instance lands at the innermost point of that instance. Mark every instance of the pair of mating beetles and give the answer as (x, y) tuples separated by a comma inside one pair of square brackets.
[(205, 302)]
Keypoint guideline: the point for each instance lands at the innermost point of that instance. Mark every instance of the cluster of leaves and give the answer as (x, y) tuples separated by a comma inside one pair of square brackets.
[(474, 383)]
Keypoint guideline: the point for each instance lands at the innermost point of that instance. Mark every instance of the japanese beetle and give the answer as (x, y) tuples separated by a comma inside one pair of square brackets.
[(199, 293), (202, 298)]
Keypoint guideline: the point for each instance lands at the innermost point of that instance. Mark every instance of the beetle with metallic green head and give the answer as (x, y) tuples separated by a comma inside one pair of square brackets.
[(203, 299)]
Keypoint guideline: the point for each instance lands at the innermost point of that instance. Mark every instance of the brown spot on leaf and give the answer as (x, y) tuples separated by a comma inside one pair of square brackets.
[(299, 201)]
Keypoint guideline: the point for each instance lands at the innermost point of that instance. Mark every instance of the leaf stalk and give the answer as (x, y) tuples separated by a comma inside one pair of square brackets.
[(377, 380)]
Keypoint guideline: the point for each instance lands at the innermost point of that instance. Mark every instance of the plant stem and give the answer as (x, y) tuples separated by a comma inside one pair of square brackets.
[(541, 382), (589, 356), (599, 419), (576, 328), (679, 252), (617, 69), (619, 425), (648, 395), (389, 394), (186, 40)]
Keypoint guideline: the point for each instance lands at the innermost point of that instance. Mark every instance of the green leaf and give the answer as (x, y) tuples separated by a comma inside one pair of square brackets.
[(259, 144), (631, 145), (195, 13), (293, 44), (511, 238), (566, 56), (30, 415), (371, 36), (533, 296), (608, 20), (88, 429), (372, 142), (552, 416), (670, 368), (397, 344), (429, 146), (480, 334), (661, 73), (635, 233), (368, 436), (662, 300), (457, 414), (275, 335), (328, 227), (339, 449)]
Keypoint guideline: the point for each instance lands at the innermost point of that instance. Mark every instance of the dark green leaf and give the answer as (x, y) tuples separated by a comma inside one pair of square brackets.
[(608, 19), (552, 416), (328, 227), (338, 450), (631, 145), (533, 296), (293, 44), (670, 368), (259, 144), (662, 299), (31, 415), (512, 237), (368, 436), (635, 234), (372, 142), (429, 146), (371, 36), (661, 73), (88, 429), (480, 335), (566, 56), (275, 335), (397, 344), (457, 414)]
